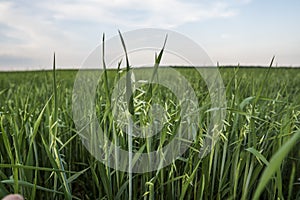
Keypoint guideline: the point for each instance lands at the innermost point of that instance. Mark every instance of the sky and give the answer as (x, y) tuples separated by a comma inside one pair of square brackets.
[(248, 32)]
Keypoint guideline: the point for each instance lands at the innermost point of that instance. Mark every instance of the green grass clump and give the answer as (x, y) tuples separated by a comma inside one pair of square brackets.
[(257, 156)]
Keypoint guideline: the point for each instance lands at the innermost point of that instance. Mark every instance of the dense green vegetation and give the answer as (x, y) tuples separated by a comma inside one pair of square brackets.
[(42, 156)]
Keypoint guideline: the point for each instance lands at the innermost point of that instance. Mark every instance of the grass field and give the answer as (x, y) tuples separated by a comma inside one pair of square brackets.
[(258, 154)]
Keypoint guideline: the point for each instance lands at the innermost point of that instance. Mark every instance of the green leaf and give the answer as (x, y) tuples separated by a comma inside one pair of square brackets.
[(258, 155)]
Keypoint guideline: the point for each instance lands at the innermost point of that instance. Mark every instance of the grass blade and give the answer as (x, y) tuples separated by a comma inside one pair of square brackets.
[(275, 163)]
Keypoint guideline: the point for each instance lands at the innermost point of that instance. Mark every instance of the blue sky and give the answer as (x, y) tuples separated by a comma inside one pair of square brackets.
[(248, 32)]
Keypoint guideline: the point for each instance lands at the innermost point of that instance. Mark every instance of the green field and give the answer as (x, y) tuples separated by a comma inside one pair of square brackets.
[(42, 156)]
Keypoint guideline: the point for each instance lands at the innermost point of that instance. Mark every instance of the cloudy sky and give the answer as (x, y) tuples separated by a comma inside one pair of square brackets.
[(249, 32)]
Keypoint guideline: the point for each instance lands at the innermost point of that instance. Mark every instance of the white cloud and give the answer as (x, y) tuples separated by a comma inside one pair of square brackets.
[(38, 28), (245, 1), (32, 33), (135, 13)]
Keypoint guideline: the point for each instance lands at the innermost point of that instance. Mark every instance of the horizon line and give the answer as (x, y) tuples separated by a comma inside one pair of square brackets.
[(173, 66)]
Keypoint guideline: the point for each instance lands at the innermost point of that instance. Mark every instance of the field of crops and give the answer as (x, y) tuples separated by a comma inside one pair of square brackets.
[(257, 155)]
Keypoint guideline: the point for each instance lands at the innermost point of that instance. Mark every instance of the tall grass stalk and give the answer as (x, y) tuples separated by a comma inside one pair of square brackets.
[(129, 100)]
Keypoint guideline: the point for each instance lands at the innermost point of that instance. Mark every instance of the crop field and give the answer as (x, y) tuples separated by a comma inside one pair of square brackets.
[(257, 156)]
